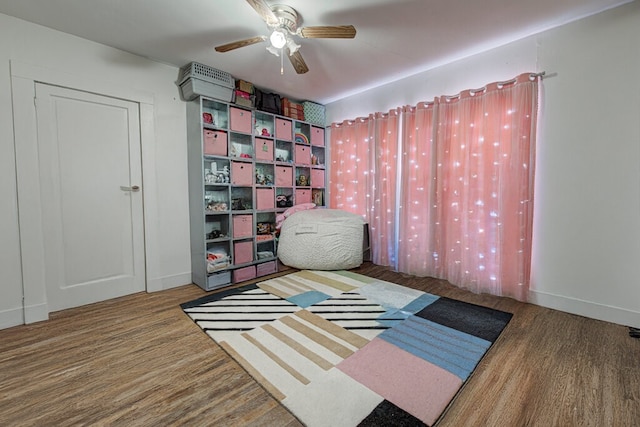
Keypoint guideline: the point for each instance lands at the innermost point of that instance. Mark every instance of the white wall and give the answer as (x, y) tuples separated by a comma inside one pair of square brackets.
[(587, 214), (37, 46), (587, 208)]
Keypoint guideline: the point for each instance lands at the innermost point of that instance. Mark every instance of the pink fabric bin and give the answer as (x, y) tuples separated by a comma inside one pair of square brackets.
[(215, 142), (264, 149), (242, 252), (303, 196), (284, 176), (266, 268), (244, 273), (317, 136), (240, 120), (317, 177), (284, 129), (303, 155), (265, 198), (242, 226), (241, 173)]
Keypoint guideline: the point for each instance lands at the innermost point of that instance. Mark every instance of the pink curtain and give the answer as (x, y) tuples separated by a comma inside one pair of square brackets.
[(416, 246), (349, 183), (363, 177), (465, 203)]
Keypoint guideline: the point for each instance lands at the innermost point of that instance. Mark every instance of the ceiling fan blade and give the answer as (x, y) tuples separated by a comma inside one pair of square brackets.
[(298, 63), (329, 32), (264, 11), (240, 43)]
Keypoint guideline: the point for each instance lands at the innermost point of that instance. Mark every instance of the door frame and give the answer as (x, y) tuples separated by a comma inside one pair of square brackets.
[(23, 79)]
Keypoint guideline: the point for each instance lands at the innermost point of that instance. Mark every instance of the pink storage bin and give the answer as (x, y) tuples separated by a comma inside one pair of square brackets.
[(241, 173), (240, 120), (215, 142), (317, 136), (245, 273), (243, 252), (317, 177), (303, 196), (303, 155), (264, 149), (265, 198), (242, 226), (266, 268), (284, 176), (284, 129)]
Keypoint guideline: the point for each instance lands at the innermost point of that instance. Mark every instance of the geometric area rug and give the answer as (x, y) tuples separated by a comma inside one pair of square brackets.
[(338, 348)]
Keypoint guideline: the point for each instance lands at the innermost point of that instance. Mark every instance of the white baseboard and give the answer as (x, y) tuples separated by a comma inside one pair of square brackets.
[(16, 316), (11, 317), (39, 312), (168, 282), (589, 309), (36, 313)]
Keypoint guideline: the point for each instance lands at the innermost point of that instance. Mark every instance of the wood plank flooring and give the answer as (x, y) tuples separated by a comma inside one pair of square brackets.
[(140, 361)]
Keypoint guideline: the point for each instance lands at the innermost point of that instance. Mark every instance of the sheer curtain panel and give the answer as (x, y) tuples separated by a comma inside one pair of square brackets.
[(364, 155)]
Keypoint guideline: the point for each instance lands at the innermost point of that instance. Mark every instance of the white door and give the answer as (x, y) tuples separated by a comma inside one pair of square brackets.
[(90, 182)]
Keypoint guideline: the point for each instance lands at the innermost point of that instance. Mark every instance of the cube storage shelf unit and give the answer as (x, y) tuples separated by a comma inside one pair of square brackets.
[(245, 166)]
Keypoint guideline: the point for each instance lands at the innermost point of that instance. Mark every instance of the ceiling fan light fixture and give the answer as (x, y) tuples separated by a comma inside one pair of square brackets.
[(273, 50), (292, 46), (278, 39)]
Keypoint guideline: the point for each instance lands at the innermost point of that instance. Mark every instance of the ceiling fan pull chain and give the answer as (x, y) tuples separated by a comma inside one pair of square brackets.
[(282, 61)]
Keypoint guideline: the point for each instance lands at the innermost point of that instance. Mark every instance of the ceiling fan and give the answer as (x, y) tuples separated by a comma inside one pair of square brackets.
[(284, 23)]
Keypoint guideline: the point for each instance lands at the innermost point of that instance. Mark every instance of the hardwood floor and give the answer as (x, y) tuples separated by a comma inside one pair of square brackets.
[(140, 361)]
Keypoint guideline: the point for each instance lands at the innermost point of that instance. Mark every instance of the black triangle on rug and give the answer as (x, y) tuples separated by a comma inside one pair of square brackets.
[(343, 349)]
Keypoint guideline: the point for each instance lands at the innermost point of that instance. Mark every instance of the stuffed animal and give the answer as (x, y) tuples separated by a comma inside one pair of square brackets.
[(284, 201), (239, 204), (222, 176), (281, 201), (302, 181)]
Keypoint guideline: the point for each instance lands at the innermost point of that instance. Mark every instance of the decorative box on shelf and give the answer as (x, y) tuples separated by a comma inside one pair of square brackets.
[(244, 86), (292, 109), (314, 113), (242, 98)]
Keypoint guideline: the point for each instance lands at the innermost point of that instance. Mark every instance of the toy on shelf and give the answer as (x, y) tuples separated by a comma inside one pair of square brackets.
[(217, 206)]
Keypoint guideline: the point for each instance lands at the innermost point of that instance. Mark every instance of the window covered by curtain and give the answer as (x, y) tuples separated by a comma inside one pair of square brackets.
[(465, 199), (417, 210), (364, 155)]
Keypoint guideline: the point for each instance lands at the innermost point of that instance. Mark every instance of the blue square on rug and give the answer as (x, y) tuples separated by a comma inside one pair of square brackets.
[(307, 299)]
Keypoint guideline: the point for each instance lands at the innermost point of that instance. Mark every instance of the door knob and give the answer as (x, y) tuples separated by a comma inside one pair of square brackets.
[(132, 188)]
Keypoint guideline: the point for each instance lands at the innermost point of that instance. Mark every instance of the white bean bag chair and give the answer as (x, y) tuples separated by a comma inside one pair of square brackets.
[(321, 239)]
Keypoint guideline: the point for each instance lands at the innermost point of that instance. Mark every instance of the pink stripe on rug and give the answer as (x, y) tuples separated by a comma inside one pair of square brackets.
[(409, 382)]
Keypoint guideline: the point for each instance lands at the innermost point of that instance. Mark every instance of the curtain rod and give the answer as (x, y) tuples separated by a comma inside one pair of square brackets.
[(540, 75), (531, 76), (507, 82)]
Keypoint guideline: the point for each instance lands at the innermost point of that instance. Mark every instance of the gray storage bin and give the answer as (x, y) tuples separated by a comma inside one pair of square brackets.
[(218, 280), (202, 80)]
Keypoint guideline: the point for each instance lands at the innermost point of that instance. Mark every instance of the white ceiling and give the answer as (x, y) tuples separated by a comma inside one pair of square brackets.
[(395, 38)]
